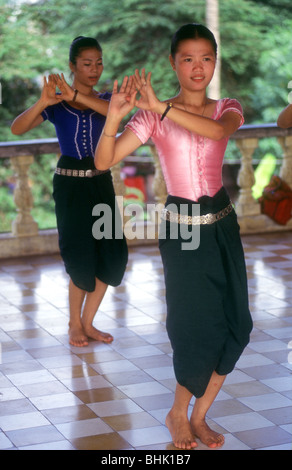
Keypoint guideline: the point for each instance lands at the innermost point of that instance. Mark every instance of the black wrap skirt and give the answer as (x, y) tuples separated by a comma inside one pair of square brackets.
[(208, 317), (85, 256)]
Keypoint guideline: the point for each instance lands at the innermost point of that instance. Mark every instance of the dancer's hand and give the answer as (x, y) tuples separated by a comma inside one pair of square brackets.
[(48, 95), (123, 99), (148, 99), (66, 91)]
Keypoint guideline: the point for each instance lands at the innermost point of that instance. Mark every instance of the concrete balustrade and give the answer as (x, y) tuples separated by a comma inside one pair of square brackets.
[(25, 237)]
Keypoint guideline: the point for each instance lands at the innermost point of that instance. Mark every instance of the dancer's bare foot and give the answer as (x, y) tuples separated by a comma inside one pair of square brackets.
[(77, 336), (97, 335), (180, 430), (208, 437)]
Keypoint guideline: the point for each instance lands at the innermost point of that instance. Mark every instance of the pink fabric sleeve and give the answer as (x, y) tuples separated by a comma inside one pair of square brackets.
[(142, 124), (234, 106)]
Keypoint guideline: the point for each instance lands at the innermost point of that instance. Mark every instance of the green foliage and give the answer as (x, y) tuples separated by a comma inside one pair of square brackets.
[(245, 31), (35, 39), (270, 87)]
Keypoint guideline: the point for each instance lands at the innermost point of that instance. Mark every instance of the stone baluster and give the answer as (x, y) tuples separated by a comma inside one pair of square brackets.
[(119, 186), (117, 180), (120, 190), (246, 204), (159, 186), (24, 224), (286, 168)]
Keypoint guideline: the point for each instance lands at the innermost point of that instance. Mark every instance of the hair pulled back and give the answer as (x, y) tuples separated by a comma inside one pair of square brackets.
[(79, 44), (192, 31)]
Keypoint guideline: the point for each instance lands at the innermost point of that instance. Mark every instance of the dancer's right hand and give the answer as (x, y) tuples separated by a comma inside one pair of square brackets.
[(48, 95)]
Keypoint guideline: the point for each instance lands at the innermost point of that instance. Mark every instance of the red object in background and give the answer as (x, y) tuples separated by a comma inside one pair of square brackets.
[(276, 201), (135, 182)]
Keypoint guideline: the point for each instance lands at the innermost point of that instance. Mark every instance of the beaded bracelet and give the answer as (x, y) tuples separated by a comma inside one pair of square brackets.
[(169, 106)]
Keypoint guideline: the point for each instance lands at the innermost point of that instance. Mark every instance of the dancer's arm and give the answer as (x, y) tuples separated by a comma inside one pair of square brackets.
[(67, 93), (285, 117), (204, 126), (32, 116), (110, 150)]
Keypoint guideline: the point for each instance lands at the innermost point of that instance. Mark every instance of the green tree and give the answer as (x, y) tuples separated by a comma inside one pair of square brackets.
[(35, 39), (270, 87)]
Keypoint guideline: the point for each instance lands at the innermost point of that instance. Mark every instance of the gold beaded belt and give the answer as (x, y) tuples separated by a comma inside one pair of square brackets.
[(206, 219), (79, 173)]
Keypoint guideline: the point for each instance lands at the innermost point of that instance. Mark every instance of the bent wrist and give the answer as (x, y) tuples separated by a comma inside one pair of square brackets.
[(42, 104), (111, 126), (113, 120), (160, 107)]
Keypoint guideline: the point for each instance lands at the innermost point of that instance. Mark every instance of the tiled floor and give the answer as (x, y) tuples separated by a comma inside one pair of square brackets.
[(53, 396)]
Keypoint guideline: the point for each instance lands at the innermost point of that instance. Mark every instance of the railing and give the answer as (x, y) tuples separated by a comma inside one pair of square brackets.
[(25, 237), (248, 209)]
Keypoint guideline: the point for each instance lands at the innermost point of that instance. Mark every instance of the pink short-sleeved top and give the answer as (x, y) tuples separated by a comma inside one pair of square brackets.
[(191, 164)]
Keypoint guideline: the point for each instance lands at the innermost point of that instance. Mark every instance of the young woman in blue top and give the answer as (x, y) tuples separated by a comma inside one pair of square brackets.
[(78, 114)]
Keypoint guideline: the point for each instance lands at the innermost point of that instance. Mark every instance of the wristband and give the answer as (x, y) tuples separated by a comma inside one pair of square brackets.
[(169, 106), (75, 95)]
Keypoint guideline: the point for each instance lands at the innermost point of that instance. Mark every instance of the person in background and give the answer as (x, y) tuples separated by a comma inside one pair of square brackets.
[(208, 317), (285, 117), (78, 114)]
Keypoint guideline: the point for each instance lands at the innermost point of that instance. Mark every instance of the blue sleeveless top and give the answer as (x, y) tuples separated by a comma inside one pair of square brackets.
[(78, 131)]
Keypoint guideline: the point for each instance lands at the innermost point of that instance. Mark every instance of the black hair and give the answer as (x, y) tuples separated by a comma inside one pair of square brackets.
[(80, 43), (192, 31)]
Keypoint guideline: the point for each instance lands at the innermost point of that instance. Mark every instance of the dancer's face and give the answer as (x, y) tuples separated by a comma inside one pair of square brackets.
[(88, 68), (194, 64)]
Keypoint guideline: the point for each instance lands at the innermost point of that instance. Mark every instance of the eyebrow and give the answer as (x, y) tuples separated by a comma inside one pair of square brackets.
[(206, 54), (91, 60)]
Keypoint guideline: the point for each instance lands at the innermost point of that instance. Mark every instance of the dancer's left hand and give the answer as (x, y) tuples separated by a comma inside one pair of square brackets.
[(148, 99)]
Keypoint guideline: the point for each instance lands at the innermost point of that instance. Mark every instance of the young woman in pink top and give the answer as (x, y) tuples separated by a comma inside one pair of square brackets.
[(208, 319)]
